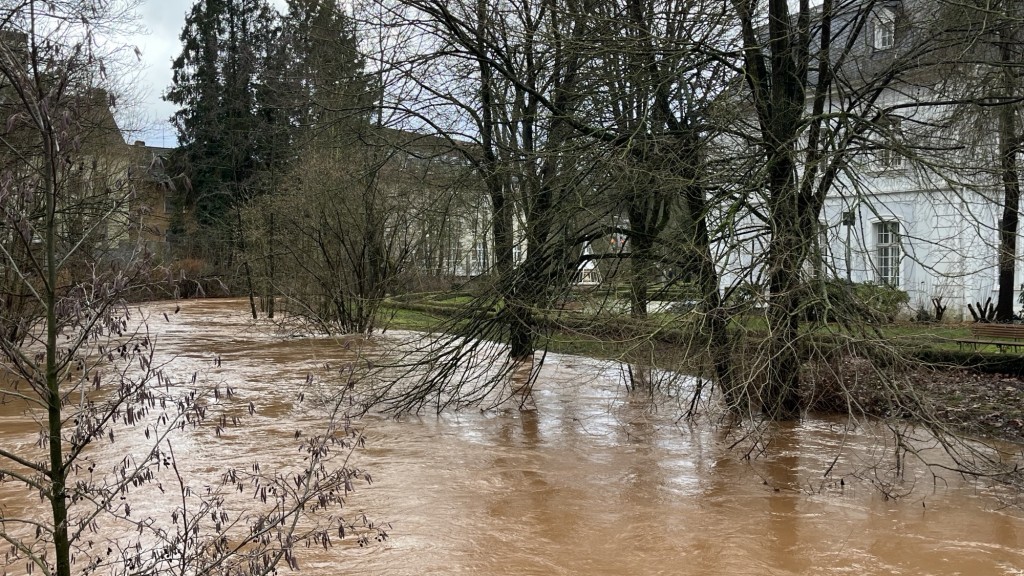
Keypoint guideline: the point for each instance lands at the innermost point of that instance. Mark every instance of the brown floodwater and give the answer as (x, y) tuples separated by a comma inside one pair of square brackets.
[(596, 480)]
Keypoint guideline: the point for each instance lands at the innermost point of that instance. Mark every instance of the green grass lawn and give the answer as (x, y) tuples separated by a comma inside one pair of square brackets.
[(604, 333), (399, 318)]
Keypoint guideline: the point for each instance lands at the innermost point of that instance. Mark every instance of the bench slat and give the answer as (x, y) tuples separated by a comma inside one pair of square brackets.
[(984, 333), (1013, 331)]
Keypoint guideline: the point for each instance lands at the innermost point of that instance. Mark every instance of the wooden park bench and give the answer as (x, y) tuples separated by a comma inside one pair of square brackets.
[(1002, 336)]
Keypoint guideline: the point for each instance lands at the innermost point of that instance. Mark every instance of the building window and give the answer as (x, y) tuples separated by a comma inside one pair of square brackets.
[(480, 256), (885, 29), (889, 159), (887, 253), (824, 250)]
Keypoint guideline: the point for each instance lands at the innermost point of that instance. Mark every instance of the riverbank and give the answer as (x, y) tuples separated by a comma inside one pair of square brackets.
[(978, 404), (970, 393)]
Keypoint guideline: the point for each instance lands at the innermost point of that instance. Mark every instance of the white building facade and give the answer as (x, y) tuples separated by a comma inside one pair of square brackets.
[(916, 206)]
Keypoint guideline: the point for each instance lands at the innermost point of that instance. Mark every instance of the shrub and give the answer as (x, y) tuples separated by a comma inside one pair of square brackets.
[(835, 299), (886, 302), (190, 278)]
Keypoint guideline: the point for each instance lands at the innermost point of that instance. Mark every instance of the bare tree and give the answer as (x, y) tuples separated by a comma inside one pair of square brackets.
[(826, 86), (48, 66), (342, 240), (79, 363), (977, 134)]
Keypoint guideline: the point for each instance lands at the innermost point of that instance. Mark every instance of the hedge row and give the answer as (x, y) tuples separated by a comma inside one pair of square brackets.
[(985, 363)]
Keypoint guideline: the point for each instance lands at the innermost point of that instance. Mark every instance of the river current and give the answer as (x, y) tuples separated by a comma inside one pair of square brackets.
[(596, 480)]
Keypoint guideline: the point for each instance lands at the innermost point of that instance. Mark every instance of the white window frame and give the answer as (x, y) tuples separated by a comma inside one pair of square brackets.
[(888, 159), (824, 255), (481, 256), (884, 33), (888, 253)]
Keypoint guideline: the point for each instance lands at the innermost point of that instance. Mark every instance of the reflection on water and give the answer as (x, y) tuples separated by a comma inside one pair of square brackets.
[(594, 481)]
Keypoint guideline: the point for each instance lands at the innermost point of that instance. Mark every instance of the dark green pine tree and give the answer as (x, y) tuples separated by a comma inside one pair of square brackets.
[(331, 88), (226, 45)]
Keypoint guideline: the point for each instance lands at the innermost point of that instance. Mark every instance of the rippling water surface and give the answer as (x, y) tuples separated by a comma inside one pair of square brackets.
[(595, 481)]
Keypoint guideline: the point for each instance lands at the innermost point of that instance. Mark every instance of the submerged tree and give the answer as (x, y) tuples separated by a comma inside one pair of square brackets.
[(343, 236), (333, 228), (828, 86)]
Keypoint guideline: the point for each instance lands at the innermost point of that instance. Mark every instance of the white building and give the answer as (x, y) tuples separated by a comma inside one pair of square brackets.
[(909, 231), (906, 210)]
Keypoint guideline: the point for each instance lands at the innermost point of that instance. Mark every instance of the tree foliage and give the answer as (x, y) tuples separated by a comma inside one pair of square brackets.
[(221, 71)]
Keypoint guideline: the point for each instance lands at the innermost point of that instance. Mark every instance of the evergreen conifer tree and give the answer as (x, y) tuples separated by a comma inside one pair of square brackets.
[(226, 47)]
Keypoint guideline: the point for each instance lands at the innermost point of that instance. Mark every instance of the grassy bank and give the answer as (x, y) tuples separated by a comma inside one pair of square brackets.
[(977, 391)]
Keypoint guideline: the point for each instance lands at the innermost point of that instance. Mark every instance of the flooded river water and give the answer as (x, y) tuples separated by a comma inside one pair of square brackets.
[(595, 481)]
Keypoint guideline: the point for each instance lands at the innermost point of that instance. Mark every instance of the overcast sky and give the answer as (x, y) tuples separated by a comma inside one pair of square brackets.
[(164, 20)]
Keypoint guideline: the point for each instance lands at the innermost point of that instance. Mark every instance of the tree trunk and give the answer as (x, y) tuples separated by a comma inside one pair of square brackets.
[(716, 318), (781, 395), (1009, 147), (640, 262), (640, 278), (777, 78), (271, 285), (520, 327), (789, 243), (58, 495), (781, 398), (515, 313), (245, 264)]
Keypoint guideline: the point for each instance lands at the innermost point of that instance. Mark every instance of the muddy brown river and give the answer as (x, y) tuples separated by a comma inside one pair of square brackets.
[(596, 480)]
